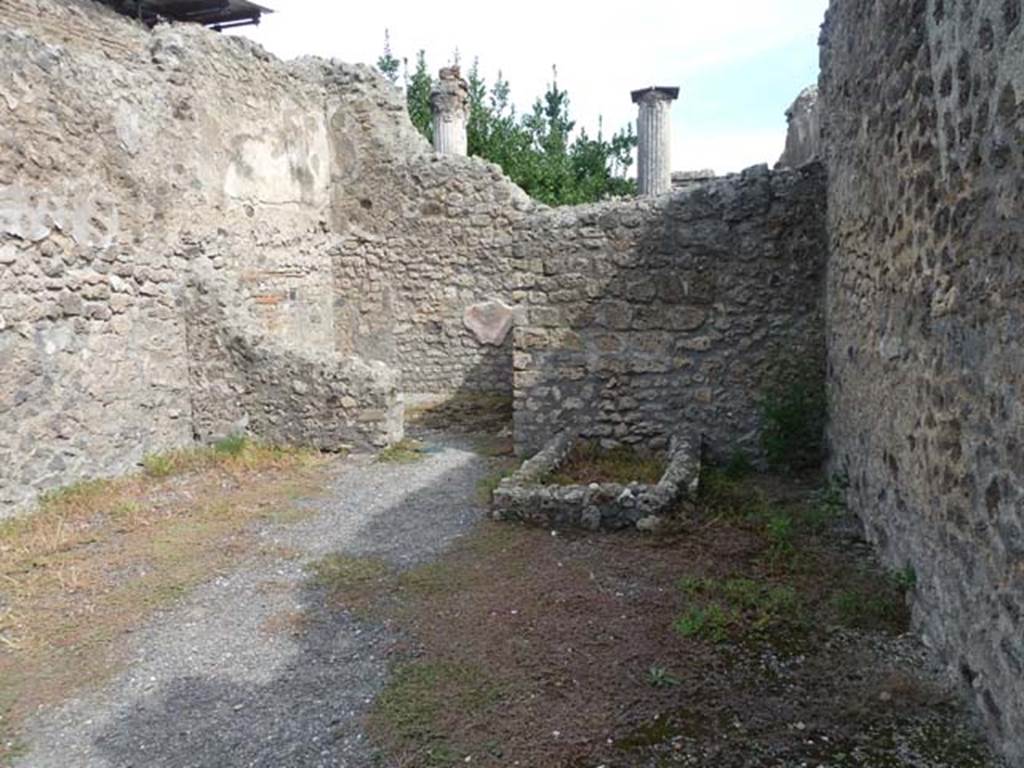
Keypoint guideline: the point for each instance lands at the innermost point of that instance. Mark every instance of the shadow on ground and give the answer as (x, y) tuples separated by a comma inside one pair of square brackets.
[(310, 714)]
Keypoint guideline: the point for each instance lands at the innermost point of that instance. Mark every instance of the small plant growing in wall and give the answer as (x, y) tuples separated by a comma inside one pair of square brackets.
[(793, 412)]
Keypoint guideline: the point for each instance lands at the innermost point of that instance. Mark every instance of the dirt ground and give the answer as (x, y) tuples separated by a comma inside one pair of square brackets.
[(759, 633), (99, 558)]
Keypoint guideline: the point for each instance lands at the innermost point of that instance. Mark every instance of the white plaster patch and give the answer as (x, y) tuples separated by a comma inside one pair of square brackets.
[(282, 166), (56, 338), (129, 131), (32, 214)]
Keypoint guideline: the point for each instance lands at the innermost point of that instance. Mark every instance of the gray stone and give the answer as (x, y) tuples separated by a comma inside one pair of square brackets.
[(803, 136)]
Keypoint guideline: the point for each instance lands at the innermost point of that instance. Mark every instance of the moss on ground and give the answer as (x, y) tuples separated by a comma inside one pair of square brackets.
[(410, 714)]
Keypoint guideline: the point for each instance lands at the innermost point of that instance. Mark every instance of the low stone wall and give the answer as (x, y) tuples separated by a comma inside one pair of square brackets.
[(923, 109), (247, 383), (647, 316), (598, 506)]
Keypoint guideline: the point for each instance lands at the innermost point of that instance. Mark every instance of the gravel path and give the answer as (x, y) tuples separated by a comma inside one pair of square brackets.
[(209, 687)]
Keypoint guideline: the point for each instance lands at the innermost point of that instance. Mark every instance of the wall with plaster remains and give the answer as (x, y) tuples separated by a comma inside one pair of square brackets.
[(647, 315), (923, 110), (165, 201)]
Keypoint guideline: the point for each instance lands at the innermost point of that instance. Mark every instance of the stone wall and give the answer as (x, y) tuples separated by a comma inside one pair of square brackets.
[(803, 130), (923, 110), (165, 270), (649, 315), (425, 238), (405, 276)]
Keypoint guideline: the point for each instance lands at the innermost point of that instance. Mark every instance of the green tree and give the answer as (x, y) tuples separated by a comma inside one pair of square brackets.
[(540, 151), (417, 94), (387, 63)]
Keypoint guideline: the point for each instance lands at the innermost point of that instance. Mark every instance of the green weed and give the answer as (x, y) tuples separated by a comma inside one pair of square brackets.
[(231, 446), (659, 677), (710, 622), (793, 412), (403, 452), (780, 531), (737, 608), (158, 465)]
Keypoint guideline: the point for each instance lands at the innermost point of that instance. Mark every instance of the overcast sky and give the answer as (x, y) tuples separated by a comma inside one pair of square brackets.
[(739, 63)]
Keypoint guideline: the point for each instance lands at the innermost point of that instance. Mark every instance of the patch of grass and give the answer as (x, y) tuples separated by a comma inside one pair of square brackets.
[(403, 452), (710, 622), (731, 498), (873, 602), (434, 579), (691, 586), (232, 453), (231, 446), (349, 578), (96, 558), (588, 462), (788, 523), (158, 465), (413, 714), (485, 487), (738, 609), (779, 529), (793, 412), (763, 606)]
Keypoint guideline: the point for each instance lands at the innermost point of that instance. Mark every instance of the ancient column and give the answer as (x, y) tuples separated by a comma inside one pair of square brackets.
[(449, 102), (654, 139)]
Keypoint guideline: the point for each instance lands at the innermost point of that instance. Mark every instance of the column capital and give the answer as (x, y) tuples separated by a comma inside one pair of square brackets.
[(450, 94), (655, 93), (449, 105)]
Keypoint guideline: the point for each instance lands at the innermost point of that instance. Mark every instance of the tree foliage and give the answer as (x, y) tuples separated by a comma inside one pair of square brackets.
[(541, 151), (387, 63)]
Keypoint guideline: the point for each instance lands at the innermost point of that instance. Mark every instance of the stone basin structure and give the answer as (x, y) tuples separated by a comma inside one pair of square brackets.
[(524, 496)]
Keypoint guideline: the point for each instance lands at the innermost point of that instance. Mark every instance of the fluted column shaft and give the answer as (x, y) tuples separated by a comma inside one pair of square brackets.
[(654, 139), (449, 103)]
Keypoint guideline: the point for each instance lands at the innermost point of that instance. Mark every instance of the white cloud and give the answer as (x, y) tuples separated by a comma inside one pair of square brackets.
[(601, 55)]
